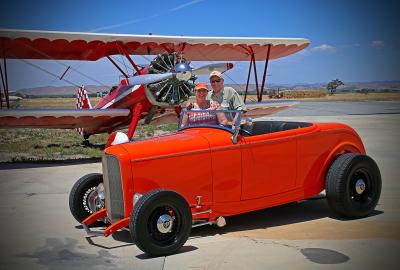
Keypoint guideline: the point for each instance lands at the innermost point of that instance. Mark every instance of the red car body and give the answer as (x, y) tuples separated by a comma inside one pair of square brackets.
[(162, 186), (255, 173)]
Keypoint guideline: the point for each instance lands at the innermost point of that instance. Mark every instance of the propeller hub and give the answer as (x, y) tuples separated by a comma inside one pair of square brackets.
[(182, 67), (184, 76), (183, 71)]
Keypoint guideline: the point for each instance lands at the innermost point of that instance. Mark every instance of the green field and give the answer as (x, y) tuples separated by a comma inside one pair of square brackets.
[(22, 145), (28, 144)]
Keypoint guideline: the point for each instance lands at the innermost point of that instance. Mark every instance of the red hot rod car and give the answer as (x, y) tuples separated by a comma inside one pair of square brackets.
[(162, 187)]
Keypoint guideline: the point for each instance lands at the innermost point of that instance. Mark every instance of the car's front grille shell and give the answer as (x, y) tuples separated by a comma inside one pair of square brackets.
[(114, 198)]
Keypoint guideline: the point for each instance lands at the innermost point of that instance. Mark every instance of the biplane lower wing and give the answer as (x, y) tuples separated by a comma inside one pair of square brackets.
[(260, 109), (100, 120), (63, 118)]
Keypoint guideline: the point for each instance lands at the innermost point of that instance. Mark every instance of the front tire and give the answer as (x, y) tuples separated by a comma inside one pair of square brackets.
[(353, 185), (161, 222), (85, 197)]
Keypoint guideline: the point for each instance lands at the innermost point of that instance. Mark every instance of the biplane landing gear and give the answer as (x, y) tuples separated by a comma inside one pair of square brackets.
[(85, 141), (87, 196)]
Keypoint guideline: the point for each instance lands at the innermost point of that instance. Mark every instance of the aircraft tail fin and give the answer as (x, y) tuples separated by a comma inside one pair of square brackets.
[(82, 99), (82, 102)]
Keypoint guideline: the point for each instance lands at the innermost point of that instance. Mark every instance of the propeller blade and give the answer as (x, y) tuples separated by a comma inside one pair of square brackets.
[(149, 78), (205, 70)]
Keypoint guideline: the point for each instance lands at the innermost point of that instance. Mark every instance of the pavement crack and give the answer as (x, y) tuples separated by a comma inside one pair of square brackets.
[(253, 240), (163, 264), (285, 245)]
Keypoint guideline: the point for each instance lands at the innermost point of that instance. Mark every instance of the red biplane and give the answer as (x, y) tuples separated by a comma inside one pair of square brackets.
[(166, 82)]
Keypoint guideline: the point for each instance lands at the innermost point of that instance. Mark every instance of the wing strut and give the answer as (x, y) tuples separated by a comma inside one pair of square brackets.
[(4, 81), (265, 73), (129, 59), (259, 91), (118, 67), (135, 118)]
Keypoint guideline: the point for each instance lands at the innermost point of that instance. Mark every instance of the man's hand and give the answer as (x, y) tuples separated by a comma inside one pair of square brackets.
[(214, 105)]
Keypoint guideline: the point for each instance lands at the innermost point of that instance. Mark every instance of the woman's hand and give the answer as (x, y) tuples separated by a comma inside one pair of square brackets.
[(189, 105)]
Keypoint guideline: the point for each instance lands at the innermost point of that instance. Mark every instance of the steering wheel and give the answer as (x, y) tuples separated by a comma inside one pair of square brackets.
[(245, 131), (226, 126)]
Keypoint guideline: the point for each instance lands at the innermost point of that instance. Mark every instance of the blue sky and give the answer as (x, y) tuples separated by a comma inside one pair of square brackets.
[(350, 40)]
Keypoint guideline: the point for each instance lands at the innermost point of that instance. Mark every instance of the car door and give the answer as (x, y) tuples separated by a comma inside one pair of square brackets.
[(226, 160), (269, 163)]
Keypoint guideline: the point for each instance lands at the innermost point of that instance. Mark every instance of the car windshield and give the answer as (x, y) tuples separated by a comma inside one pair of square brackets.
[(228, 120)]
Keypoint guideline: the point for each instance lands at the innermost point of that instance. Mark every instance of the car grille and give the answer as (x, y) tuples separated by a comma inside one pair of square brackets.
[(114, 198)]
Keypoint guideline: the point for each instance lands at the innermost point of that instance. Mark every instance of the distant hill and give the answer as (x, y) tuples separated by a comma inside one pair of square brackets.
[(377, 86), (347, 87), (380, 86)]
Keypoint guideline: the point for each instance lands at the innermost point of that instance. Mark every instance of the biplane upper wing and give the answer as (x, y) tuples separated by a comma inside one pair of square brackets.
[(63, 118), (31, 44)]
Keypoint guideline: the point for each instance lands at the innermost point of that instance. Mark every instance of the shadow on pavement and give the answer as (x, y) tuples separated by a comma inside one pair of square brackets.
[(312, 209), (46, 163), (292, 213), (183, 249), (89, 239)]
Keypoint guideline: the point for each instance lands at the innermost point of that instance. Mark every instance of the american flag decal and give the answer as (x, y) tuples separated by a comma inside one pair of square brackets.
[(82, 102)]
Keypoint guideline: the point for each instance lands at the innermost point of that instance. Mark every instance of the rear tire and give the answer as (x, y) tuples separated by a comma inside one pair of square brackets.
[(161, 222), (353, 185), (82, 196)]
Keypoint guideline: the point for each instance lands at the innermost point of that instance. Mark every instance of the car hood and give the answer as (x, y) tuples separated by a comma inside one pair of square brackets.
[(179, 143)]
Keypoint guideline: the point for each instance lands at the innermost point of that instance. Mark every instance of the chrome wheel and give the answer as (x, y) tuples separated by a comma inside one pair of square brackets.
[(93, 199), (360, 189), (165, 223), (360, 186), (87, 196)]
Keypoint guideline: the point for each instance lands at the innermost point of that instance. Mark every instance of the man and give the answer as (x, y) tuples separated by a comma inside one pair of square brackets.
[(226, 96)]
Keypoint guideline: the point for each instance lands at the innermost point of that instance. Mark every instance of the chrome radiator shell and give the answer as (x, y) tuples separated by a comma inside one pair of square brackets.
[(114, 198)]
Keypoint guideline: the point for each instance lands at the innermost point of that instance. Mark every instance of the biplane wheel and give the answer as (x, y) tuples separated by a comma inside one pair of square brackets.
[(87, 197), (161, 222), (353, 185)]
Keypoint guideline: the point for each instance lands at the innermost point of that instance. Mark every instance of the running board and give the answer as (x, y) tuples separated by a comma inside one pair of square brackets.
[(220, 222)]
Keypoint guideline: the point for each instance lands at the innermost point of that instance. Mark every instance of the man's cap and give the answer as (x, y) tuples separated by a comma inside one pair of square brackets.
[(216, 73), (201, 85)]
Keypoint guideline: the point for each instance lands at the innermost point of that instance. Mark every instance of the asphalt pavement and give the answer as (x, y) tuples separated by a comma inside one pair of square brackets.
[(37, 230)]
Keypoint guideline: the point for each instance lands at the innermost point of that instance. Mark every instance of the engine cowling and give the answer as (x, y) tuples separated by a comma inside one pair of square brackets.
[(172, 91)]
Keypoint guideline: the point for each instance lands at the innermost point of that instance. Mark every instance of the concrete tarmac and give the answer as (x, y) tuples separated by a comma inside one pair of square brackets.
[(37, 230)]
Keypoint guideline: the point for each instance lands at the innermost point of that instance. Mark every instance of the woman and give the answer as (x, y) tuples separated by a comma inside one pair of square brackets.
[(202, 103)]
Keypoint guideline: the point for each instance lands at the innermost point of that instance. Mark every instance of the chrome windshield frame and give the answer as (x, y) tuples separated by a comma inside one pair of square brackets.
[(230, 129)]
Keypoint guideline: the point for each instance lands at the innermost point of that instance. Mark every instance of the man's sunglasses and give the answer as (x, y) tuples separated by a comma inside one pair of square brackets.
[(215, 81)]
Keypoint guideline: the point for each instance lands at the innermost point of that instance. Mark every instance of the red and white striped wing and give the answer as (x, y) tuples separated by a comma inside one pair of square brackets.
[(28, 44), (64, 118)]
